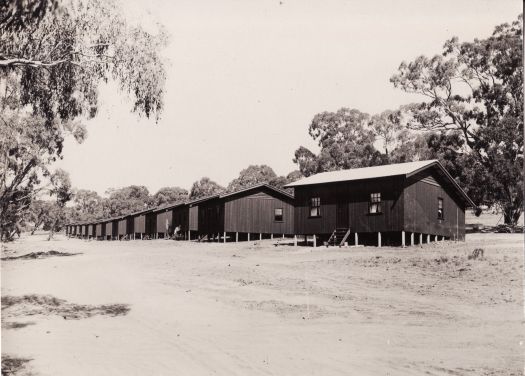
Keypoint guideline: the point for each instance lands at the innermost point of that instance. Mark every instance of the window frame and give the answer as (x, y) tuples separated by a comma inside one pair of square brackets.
[(275, 215), (315, 203), (441, 214), (374, 200)]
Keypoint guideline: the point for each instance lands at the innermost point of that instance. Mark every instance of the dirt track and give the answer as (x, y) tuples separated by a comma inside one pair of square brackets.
[(245, 309)]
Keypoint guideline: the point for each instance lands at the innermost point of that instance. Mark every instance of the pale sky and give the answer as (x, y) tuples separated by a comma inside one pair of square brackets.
[(245, 78)]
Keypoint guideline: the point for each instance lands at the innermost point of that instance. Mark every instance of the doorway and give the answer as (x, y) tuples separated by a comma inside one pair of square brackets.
[(341, 220)]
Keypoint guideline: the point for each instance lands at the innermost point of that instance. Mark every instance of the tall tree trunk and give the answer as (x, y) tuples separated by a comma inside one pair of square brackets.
[(511, 214)]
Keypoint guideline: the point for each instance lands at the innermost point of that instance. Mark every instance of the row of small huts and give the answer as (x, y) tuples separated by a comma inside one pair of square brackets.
[(398, 204), (255, 212)]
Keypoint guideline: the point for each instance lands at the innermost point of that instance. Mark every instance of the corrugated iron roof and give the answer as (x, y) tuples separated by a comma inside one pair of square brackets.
[(260, 185), (397, 169), (168, 206), (363, 173)]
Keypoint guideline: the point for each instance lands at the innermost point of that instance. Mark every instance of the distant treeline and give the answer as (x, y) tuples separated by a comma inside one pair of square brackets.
[(89, 205), (53, 57)]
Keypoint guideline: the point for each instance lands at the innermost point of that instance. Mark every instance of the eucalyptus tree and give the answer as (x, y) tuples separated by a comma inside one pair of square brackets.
[(54, 55), (476, 89)]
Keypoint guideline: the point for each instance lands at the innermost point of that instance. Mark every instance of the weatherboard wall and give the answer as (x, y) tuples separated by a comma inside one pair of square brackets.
[(101, 229), (181, 216), (422, 192), (164, 220), (352, 200), (211, 216), (125, 226), (139, 224), (151, 223), (193, 220), (254, 212)]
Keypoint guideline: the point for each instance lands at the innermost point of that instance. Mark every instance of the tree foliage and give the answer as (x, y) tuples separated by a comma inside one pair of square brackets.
[(28, 145), (126, 200), (60, 58), (53, 57), (87, 206), (386, 127), (169, 195), (51, 214), (476, 88), (346, 140), (252, 175), (205, 187)]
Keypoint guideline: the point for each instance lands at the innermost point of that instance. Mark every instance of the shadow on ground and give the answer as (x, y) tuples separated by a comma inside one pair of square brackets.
[(39, 255), (14, 366), (29, 305)]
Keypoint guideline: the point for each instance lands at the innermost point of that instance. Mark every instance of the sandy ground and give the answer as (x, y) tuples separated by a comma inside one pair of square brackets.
[(487, 218), (177, 308)]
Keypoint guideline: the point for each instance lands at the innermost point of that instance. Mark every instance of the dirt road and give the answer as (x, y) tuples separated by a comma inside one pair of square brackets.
[(178, 308)]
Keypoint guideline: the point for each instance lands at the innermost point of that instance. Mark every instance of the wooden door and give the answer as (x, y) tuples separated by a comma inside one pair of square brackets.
[(341, 220)]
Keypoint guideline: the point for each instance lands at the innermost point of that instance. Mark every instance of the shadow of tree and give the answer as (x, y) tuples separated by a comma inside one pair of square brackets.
[(14, 366), (39, 255), (29, 305), (16, 325)]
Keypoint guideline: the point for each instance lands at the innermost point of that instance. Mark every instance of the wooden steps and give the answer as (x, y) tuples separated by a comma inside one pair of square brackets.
[(339, 237)]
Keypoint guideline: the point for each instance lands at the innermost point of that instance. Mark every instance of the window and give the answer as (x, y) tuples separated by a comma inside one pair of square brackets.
[(441, 212), (278, 215), (374, 206), (315, 207)]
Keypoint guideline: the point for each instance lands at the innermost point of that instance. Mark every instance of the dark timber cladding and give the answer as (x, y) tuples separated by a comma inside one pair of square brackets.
[(419, 198), (181, 217), (164, 219), (260, 209), (112, 227), (125, 226), (144, 222), (100, 229), (193, 214)]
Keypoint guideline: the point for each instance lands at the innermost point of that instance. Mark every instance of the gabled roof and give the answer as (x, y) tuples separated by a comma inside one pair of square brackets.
[(196, 201), (363, 173), (169, 206), (407, 169), (240, 191), (257, 186), (139, 212)]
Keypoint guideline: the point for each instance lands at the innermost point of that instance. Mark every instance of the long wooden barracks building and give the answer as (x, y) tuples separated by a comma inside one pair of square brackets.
[(398, 204)]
